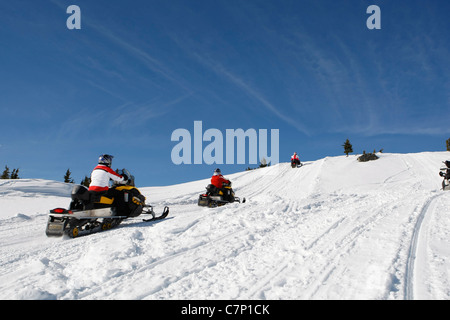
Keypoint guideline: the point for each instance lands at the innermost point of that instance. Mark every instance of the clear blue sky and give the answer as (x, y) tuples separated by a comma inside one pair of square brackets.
[(138, 70)]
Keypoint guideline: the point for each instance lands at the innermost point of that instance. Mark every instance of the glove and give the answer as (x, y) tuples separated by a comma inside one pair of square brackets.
[(125, 177)]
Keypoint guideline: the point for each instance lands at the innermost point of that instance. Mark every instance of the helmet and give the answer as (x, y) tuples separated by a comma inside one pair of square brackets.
[(105, 159), (217, 172)]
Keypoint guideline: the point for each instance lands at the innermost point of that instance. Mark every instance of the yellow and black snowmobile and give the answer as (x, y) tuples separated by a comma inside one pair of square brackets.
[(215, 197), (90, 212)]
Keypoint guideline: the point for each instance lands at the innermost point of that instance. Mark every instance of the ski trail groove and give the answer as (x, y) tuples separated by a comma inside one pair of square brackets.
[(429, 206)]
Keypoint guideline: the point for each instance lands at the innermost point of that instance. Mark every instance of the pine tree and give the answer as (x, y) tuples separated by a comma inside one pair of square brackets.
[(348, 148), (5, 174), (448, 144), (86, 181), (67, 178), (15, 174)]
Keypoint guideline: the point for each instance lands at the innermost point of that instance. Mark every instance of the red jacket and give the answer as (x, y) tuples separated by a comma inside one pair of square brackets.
[(218, 181), (295, 157)]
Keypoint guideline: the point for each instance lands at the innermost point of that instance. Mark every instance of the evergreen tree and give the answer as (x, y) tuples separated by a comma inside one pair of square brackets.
[(348, 148), (448, 144), (15, 174), (5, 174), (86, 181), (67, 178)]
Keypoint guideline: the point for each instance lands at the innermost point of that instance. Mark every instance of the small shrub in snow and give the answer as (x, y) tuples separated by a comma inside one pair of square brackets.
[(367, 157)]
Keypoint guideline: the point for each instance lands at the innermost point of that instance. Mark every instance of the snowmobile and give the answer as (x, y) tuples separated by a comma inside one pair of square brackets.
[(90, 212), (296, 164), (445, 173), (215, 197)]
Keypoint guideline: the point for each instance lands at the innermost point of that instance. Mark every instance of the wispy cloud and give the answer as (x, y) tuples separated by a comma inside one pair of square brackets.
[(250, 91), (276, 111), (152, 64), (133, 115), (101, 122)]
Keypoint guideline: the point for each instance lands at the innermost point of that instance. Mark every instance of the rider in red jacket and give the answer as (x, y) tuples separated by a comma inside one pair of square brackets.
[(218, 180), (295, 159)]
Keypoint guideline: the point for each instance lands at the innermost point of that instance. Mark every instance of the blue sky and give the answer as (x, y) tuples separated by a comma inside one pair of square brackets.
[(138, 70)]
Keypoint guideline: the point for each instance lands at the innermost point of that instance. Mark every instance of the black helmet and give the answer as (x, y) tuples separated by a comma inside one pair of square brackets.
[(105, 159), (217, 172)]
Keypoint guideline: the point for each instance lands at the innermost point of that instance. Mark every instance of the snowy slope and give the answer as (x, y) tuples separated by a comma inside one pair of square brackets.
[(332, 229)]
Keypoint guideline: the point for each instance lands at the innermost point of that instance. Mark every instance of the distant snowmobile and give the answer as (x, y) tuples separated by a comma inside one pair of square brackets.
[(90, 212), (295, 161), (296, 164), (215, 197), (445, 173)]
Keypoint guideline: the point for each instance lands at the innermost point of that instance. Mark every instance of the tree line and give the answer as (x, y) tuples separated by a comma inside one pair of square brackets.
[(348, 148), (7, 175), (68, 179), (14, 174)]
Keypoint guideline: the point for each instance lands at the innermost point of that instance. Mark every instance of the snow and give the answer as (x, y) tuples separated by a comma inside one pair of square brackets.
[(332, 229)]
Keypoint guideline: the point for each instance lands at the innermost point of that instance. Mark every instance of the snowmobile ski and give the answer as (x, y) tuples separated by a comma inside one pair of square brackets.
[(154, 217)]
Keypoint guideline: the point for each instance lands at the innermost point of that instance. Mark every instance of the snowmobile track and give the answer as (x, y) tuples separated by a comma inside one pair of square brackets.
[(413, 254)]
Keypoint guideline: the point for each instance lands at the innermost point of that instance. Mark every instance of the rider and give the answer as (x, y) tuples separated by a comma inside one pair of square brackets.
[(100, 177), (220, 182), (295, 159)]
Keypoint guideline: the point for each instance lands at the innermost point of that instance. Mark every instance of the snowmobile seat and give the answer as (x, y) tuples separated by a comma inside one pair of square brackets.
[(80, 193), (212, 189), (99, 197), (82, 198), (98, 200)]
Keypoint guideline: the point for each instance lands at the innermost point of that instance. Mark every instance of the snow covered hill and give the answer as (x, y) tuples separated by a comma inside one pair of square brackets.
[(332, 229)]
